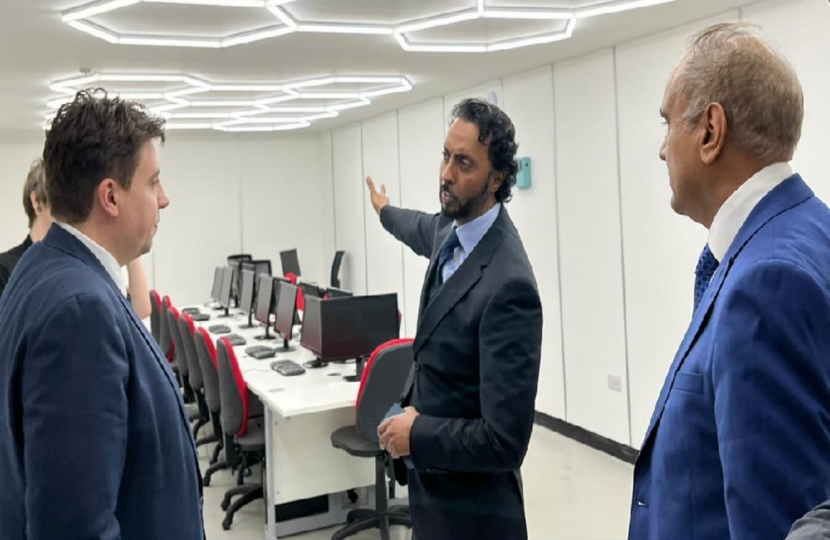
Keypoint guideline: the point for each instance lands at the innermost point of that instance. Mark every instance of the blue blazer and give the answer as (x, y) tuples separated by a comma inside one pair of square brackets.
[(738, 447), (94, 439)]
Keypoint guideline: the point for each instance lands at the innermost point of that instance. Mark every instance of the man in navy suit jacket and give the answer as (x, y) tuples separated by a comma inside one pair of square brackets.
[(94, 439), (738, 446)]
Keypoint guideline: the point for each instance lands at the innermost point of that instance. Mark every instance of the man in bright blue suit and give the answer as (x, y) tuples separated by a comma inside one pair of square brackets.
[(94, 438), (738, 446)]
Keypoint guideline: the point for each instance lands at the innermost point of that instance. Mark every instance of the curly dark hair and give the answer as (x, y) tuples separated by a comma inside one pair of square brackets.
[(93, 138), (496, 131)]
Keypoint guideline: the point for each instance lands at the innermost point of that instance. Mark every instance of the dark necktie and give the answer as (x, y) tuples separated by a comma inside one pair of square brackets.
[(706, 266), (447, 250)]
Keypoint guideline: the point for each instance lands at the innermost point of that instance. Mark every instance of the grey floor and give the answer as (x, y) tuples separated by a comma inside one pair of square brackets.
[(572, 493)]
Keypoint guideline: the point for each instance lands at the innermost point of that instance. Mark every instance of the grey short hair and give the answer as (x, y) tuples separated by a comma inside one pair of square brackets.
[(733, 65)]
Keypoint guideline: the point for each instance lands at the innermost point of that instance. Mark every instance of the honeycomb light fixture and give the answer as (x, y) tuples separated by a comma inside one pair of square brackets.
[(79, 19), (184, 99)]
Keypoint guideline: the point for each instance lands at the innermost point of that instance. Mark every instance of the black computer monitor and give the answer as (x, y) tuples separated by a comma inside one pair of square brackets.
[(334, 292), (349, 328), (225, 293), (216, 291), (258, 267), (246, 299), (286, 313), (311, 290), (265, 304), (290, 262), (236, 284)]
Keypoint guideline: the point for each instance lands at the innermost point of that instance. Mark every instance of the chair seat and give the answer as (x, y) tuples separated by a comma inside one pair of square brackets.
[(254, 438), (350, 440)]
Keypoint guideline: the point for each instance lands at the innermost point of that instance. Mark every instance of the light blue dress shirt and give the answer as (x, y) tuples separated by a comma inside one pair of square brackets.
[(469, 235)]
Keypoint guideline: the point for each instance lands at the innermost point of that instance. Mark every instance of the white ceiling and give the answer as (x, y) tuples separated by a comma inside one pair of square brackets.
[(38, 48)]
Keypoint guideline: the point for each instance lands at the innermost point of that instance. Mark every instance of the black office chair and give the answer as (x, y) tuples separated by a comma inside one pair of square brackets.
[(243, 420), (187, 329), (335, 269), (381, 386), (165, 339)]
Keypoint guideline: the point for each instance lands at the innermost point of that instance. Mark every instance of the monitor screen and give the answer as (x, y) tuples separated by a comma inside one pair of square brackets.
[(310, 290), (286, 309), (257, 267), (290, 262), (246, 299), (264, 299), (236, 284), (225, 294), (311, 334), (355, 327), (217, 284)]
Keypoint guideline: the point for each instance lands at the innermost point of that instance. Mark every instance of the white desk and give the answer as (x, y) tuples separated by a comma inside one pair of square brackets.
[(301, 413)]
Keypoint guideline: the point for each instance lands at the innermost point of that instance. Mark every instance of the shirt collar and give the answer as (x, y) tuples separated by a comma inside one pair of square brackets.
[(734, 212), (104, 257), (470, 234)]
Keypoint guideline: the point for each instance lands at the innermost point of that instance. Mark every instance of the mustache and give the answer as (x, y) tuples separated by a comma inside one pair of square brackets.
[(446, 190)]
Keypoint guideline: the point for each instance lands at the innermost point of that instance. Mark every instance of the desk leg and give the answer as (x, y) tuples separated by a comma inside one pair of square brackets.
[(270, 484)]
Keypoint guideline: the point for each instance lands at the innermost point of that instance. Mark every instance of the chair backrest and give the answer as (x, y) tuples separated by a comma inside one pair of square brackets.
[(382, 384), (206, 352), (179, 358), (165, 338), (194, 370), (233, 392), (292, 277), (335, 268), (155, 315)]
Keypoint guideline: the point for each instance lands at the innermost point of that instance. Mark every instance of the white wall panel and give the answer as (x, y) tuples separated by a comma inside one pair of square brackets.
[(491, 91), (281, 202), (349, 195), (384, 254), (529, 99), (660, 247), (590, 251), (15, 160), (329, 243), (201, 227), (421, 142)]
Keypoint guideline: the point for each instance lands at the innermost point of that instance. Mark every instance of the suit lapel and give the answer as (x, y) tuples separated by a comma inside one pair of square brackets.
[(468, 274), (787, 195)]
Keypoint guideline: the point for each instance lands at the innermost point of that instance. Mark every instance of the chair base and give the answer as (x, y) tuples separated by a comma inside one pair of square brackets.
[(249, 494), (219, 466), (377, 520)]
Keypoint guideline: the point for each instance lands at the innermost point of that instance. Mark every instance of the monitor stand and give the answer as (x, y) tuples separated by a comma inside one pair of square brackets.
[(317, 363), (250, 322), (227, 313), (267, 336), (285, 347), (359, 364)]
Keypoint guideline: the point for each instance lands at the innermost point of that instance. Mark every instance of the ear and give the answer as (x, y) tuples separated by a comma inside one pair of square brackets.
[(35, 203), (498, 180), (107, 196), (713, 133)]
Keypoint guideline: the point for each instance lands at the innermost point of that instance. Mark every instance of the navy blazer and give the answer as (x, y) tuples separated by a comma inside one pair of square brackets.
[(94, 438), (474, 382), (738, 446)]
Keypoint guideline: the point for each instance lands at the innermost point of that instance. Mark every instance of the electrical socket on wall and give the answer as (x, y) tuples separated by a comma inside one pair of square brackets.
[(615, 382), (348, 502)]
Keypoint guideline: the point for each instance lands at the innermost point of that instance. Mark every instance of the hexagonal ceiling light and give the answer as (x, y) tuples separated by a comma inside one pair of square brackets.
[(402, 32), (185, 100)]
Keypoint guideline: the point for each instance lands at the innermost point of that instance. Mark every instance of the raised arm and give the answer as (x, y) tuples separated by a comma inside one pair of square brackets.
[(137, 286), (413, 228)]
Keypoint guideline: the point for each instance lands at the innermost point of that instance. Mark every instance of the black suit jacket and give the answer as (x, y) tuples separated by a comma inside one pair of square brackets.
[(475, 375), (9, 260)]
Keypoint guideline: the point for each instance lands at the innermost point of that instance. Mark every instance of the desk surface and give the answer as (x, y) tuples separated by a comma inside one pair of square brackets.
[(316, 390)]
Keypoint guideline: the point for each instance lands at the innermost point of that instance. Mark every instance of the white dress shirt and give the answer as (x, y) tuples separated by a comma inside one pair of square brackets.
[(105, 257), (734, 212)]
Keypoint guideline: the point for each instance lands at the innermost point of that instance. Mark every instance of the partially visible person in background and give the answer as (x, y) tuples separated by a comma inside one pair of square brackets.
[(814, 525), (36, 205)]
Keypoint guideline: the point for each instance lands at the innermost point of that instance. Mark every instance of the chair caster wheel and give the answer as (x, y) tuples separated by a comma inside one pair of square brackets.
[(206, 481), (247, 473), (226, 524)]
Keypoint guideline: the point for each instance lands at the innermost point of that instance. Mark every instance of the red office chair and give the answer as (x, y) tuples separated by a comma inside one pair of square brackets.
[(165, 339), (155, 315), (206, 352), (187, 329), (179, 361), (381, 386), (238, 407), (292, 277)]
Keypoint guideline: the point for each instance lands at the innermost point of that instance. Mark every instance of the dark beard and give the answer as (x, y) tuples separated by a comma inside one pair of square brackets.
[(462, 211)]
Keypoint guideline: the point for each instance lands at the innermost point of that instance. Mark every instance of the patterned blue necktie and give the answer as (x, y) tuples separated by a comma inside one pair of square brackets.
[(447, 250), (706, 266)]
